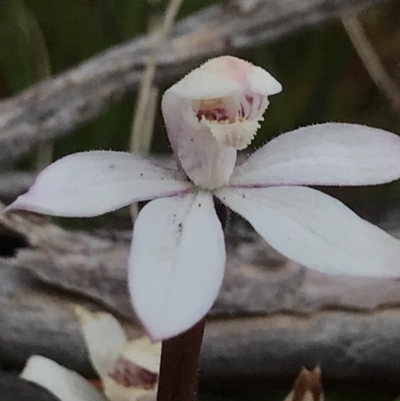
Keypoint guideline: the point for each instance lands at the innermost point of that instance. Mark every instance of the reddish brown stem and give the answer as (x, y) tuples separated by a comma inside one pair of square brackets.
[(179, 360)]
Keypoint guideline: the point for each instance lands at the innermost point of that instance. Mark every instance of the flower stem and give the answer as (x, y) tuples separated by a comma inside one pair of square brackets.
[(179, 359), (180, 355)]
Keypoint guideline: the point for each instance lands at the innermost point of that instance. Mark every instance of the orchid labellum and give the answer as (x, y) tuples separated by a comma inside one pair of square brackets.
[(177, 259)]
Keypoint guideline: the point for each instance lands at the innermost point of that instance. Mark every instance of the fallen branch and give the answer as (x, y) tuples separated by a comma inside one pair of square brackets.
[(272, 316), (53, 108)]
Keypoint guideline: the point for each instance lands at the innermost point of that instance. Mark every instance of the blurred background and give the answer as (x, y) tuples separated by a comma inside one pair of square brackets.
[(323, 76)]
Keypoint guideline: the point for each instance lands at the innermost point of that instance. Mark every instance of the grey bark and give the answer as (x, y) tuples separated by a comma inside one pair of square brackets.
[(346, 345), (53, 108), (271, 318)]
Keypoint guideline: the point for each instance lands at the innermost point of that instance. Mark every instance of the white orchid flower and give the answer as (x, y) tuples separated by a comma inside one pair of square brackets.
[(177, 259), (128, 369)]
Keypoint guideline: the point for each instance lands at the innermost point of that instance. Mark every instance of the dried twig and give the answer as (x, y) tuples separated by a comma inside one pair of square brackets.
[(55, 107), (37, 50), (371, 61), (307, 387), (43, 68), (145, 110)]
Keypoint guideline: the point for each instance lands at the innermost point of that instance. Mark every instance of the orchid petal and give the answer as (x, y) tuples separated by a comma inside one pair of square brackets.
[(316, 230), (103, 336), (324, 154), (128, 369), (62, 382), (176, 264), (92, 183)]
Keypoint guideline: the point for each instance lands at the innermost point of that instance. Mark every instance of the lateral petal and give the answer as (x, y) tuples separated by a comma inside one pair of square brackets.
[(104, 336), (176, 264), (66, 384), (92, 183), (316, 230), (323, 154)]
